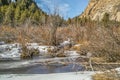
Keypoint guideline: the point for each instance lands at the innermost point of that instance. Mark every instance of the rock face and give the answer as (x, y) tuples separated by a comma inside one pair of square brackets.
[(97, 8)]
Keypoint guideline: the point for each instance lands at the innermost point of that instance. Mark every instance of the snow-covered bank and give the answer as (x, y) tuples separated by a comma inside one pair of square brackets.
[(10, 51), (86, 75), (13, 51)]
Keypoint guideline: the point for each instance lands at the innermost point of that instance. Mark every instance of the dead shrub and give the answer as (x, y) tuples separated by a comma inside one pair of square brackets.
[(28, 53)]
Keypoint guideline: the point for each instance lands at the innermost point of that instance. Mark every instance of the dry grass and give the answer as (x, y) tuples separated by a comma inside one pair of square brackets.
[(107, 76), (98, 60), (40, 34), (76, 47), (24, 34)]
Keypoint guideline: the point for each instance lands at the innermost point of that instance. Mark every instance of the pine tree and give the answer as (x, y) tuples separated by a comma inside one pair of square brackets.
[(19, 11), (69, 21), (33, 8), (3, 10), (105, 20), (1, 17), (5, 2), (9, 15), (24, 16), (36, 15), (0, 3), (17, 15), (9, 1)]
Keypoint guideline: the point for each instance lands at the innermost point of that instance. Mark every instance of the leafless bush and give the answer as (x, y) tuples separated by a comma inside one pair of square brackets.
[(28, 53)]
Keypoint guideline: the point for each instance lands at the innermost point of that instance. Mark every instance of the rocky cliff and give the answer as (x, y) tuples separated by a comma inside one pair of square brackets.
[(97, 8)]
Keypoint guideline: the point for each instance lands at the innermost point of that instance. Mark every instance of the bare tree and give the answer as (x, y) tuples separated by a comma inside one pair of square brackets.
[(54, 23)]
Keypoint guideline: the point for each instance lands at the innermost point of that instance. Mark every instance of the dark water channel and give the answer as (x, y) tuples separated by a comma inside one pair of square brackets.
[(40, 68)]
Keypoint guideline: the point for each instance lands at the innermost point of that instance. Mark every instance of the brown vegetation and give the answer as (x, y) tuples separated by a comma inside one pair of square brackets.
[(28, 53), (95, 38), (107, 76)]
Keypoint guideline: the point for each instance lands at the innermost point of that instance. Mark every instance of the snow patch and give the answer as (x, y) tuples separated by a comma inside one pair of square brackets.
[(65, 43), (77, 45), (42, 49), (10, 50), (14, 50), (86, 75), (72, 53), (118, 69)]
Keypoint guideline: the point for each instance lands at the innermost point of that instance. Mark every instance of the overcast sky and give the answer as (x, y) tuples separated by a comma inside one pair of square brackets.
[(66, 8)]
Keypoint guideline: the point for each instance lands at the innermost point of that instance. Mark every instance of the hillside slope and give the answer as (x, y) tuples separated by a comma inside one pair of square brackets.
[(20, 11), (97, 8)]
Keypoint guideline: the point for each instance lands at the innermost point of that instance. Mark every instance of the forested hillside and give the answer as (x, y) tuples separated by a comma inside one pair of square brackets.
[(17, 12)]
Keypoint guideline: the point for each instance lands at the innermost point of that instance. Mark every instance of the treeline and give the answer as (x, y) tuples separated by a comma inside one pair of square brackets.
[(82, 21), (19, 12)]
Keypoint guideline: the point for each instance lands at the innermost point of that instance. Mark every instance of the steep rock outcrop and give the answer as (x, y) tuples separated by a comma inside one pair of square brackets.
[(97, 8)]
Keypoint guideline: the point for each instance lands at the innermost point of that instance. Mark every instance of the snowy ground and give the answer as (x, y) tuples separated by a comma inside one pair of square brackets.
[(57, 76)]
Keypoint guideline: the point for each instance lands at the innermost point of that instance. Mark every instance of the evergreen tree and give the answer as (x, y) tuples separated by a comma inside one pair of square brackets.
[(5, 2), (1, 17), (33, 8), (24, 16), (69, 21), (17, 15), (9, 1), (105, 20), (19, 11), (2, 13), (9, 15), (0, 3), (36, 15)]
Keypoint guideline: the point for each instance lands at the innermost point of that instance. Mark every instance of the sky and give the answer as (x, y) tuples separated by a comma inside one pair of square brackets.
[(66, 8)]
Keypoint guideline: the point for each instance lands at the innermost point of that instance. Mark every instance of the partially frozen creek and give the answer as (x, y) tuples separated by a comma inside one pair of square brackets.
[(11, 63)]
